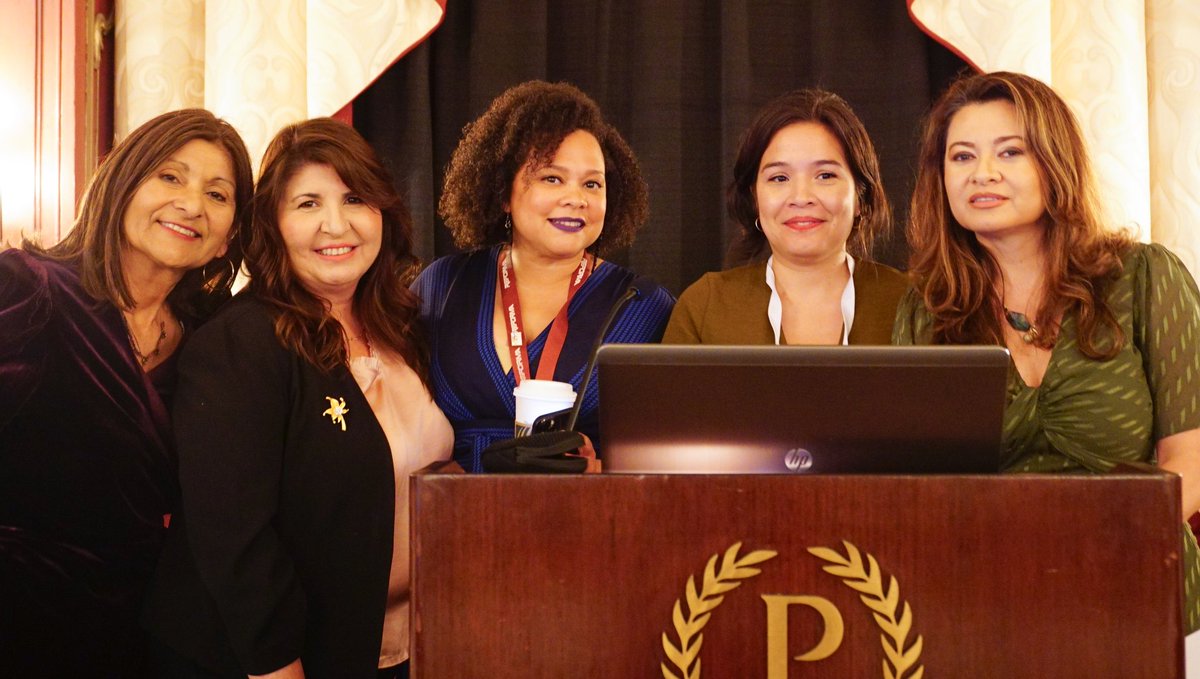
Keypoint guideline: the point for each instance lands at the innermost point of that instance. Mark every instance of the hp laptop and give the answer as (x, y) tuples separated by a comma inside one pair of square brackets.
[(756, 409)]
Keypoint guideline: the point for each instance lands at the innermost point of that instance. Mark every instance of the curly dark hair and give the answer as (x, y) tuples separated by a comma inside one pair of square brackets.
[(386, 307), (834, 114), (527, 123)]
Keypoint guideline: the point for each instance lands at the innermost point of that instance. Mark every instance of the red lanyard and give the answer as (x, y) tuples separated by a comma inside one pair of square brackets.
[(512, 317)]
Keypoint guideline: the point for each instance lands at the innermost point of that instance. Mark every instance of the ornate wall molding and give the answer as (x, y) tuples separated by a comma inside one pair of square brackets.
[(260, 65)]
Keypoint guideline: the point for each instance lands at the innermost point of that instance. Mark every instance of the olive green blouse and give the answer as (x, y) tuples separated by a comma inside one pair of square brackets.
[(730, 307), (1089, 415)]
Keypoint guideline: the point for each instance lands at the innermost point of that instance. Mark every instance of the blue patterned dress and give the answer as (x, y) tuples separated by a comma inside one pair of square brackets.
[(469, 383)]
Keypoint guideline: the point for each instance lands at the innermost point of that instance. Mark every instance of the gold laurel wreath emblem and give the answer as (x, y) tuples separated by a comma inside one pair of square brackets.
[(701, 604), (867, 579)]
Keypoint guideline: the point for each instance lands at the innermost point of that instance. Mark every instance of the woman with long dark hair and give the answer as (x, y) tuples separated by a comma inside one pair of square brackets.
[(302, 409), (89, 335), (1009, 247)]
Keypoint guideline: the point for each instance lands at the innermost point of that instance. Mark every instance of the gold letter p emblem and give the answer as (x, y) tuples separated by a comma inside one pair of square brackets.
[(777, 631)]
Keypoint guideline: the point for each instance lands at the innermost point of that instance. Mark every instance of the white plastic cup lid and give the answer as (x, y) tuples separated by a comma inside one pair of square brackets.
[(550, 390)]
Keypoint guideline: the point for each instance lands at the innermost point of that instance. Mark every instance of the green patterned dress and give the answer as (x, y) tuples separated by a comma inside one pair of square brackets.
[(1089, 415)]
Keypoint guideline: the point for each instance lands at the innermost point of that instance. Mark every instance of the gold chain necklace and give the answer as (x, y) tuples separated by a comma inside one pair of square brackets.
[(366, 341)]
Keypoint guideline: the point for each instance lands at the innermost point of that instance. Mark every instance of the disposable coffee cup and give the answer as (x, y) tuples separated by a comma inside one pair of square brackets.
[(538, 397)]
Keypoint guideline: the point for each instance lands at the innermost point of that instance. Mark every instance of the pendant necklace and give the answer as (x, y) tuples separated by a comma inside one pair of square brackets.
[(1020, 322), (143, 359)]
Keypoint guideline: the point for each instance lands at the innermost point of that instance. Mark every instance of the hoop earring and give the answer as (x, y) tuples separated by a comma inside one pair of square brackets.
[(757, 225), (205, 276)]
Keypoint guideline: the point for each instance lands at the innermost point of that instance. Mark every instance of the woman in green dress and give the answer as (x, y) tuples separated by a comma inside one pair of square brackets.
[(1008, 248)]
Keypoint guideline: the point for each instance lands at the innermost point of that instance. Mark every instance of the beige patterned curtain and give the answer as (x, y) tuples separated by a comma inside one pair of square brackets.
[(1130, 69), (260, 65)]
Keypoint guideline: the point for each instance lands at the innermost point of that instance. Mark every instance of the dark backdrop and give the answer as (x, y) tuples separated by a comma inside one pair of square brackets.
[(681, 80)]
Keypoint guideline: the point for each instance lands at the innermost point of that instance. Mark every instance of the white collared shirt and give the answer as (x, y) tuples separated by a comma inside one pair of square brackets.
[(775, 306)]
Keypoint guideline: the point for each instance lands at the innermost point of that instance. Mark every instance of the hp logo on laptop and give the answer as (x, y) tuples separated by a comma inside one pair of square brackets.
[(798, 460)]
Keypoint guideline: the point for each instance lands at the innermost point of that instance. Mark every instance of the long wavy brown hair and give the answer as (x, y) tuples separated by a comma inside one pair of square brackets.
[(97, 238), (959, 280), (528, 122), (835, 115), (383, 303)]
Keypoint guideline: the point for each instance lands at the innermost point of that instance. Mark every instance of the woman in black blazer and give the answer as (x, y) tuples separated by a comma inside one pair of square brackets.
[(301, 410)]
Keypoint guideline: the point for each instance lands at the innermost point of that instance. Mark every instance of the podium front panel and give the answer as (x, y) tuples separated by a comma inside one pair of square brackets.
[(791, 577)]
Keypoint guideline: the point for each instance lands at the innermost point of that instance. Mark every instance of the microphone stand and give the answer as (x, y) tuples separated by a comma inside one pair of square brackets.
[(537, 452), (630, 293)]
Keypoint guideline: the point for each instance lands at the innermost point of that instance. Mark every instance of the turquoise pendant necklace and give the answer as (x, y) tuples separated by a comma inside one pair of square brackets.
[(1021, 324)]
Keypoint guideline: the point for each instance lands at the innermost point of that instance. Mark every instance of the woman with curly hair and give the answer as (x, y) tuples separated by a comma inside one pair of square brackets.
[(807, 193), (90, 332), (538, 189), (1010, 248), (302, 409)]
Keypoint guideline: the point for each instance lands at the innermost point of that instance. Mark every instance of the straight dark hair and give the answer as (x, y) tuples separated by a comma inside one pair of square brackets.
[(834, 114), (388, 310), (97, 238)]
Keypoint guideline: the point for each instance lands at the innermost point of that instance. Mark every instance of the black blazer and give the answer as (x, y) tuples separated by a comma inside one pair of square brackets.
[(283, 545)]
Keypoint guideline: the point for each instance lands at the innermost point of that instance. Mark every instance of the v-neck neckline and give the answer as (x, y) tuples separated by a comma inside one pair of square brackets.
[(487, 320), (1051, 364)]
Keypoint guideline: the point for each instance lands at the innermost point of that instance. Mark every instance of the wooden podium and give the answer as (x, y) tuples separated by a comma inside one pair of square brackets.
[(730, 576)]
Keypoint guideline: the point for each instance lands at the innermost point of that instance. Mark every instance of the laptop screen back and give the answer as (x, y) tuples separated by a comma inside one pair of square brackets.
[(755, 409)]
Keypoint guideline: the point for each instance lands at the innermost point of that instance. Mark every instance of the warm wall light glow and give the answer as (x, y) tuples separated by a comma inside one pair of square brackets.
[(18, 170)]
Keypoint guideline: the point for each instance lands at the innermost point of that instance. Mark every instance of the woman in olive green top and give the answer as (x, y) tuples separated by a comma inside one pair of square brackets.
[(1008, 248), (806, 189)]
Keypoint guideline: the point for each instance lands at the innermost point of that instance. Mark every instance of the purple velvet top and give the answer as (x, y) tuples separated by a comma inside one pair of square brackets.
[(86, 475)]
